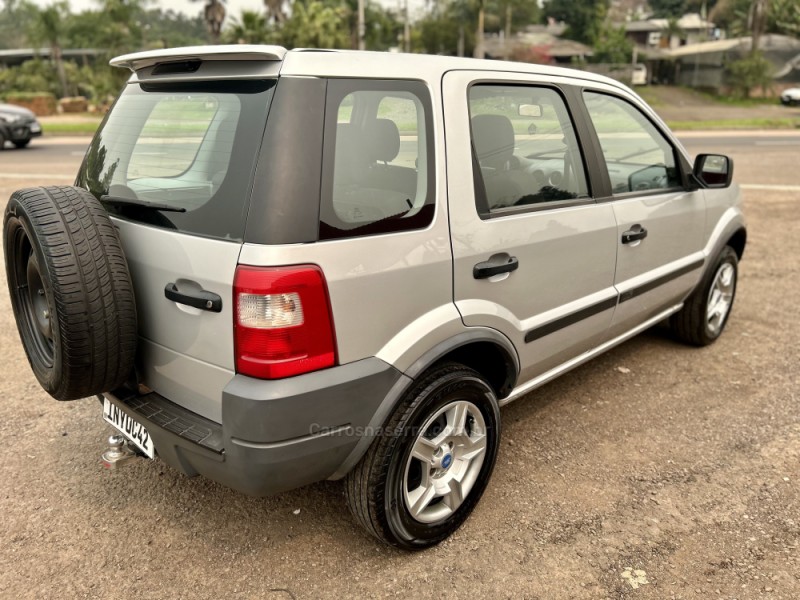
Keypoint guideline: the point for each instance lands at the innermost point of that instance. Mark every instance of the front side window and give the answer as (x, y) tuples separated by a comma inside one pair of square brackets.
[(525, 147), (637, 155), (379, 158)]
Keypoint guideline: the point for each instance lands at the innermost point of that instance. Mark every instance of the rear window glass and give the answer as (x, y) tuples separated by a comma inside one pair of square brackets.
[(180, 156)]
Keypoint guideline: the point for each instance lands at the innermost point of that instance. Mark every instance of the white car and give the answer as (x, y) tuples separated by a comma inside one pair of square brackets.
[(790, 97)]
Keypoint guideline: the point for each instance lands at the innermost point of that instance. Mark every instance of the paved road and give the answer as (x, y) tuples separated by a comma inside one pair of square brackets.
[(655, 462)]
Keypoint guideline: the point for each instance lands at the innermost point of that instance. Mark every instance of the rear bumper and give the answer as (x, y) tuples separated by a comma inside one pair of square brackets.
[(275, 435)]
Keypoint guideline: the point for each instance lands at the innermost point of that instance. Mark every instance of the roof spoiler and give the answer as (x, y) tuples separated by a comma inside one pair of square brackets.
[(239, 52)]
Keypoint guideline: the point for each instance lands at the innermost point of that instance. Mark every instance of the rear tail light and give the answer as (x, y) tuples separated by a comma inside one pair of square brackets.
[(282, 321)]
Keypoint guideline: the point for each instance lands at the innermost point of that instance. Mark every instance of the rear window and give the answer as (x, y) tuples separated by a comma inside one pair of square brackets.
[(180, 155)]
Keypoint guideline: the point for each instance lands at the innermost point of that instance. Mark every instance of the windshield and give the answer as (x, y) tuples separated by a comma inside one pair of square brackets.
[(180, 155)]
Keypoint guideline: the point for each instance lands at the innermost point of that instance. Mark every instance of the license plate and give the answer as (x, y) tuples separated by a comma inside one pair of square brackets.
[(129, 427), (35, 128)]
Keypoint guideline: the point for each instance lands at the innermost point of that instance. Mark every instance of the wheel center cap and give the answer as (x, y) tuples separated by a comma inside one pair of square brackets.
[(447, 460)]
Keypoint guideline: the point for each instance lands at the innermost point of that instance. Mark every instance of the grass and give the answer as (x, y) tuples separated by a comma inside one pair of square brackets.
[(649, 95), (82, 128), (756, 123)]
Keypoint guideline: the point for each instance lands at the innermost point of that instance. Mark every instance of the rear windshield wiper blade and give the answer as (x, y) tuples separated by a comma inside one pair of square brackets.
[(117, 201)]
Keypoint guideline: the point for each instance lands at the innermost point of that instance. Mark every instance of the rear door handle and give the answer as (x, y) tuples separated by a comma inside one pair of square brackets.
[(201, 299), (499, 263), (634, 234)]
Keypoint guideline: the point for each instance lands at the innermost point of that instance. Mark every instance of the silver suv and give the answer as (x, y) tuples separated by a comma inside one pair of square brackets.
[(281, 267)]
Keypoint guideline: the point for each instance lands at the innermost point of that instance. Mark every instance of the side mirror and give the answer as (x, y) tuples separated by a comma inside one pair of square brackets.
[(713, 170)]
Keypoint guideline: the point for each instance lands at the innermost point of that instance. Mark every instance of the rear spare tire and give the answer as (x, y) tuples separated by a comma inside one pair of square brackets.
[(70, 290)]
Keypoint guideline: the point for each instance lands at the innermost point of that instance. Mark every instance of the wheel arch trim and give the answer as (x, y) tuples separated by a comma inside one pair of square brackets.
[(472, 336)]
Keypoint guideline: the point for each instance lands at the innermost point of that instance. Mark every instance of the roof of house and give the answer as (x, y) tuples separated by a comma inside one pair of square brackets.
[(770, 41), (555, 46)]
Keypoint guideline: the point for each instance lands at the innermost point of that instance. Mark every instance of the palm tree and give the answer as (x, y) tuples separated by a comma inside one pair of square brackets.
[(214, 16), (48, 28), (250, 28), (275, 12)]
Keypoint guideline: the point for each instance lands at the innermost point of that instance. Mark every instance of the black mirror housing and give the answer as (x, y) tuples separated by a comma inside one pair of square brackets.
[(713, 170)]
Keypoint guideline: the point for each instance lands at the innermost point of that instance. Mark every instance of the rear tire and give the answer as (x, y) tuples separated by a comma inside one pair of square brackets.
[(70, 290), (422, 478), (705, 313)]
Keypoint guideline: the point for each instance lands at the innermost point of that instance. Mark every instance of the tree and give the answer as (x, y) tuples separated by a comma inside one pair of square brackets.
[(784, 17), (275, 12), (47, 28), (316, 24), (668, 9), (250, 28), (584, 18), (16, 19), (214, 16), (612, 46), (750, 72)]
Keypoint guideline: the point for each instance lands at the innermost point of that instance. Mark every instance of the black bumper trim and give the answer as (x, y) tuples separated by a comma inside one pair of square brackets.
[(175, 419)]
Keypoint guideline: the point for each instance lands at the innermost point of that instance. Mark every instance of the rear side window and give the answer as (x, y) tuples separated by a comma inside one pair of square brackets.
[(181, 155), (378, 174), (638, 157)]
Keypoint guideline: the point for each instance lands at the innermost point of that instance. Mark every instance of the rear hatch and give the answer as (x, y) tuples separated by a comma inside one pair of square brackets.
[(173, 163)]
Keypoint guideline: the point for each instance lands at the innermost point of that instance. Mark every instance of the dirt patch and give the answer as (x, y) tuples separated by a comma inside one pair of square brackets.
[(681, 104), (678, 473)]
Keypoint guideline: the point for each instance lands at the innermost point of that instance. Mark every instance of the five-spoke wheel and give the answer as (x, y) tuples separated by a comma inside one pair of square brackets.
[(423, 476)]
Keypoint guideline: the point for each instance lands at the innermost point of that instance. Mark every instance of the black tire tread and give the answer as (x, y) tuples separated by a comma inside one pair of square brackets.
[(688, 324), (364, 493), (91, 286)]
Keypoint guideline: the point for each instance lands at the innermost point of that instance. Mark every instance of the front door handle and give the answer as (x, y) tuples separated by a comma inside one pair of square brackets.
[(499, 263), (200, 299), (634, 234)]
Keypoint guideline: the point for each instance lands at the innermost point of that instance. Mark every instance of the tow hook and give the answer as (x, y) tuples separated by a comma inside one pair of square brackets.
[(118, 453)]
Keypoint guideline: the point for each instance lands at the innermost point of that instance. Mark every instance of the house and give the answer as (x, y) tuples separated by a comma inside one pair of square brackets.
[(691, 28), (14, 58), (537, 43), (703, 64)]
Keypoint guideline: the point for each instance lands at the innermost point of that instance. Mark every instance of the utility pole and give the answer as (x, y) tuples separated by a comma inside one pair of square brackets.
[(758, 17), (362, 45), (479, 51)]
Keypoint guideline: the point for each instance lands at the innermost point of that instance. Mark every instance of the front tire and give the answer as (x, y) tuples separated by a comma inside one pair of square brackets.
[(422, 478), (22, 143), (705, 313)]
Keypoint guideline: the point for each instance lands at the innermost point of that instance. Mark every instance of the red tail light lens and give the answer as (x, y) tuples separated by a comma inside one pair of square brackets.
[(282, 321)]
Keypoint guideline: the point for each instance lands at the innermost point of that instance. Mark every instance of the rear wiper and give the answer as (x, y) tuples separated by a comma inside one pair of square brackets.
[(117, 201)]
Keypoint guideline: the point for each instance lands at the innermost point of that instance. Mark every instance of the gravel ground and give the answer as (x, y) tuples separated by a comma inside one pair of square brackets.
[(656, 471)]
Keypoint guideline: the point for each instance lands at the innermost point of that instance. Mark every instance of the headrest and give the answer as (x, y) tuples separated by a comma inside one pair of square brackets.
[(493, 136), (385, 140)]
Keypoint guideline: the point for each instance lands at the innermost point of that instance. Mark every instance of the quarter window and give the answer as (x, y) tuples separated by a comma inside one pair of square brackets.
[(379, 159), (637, 155), (525, 147)]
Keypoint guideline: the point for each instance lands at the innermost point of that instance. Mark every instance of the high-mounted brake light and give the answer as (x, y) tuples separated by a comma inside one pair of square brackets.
[(282, 321)]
